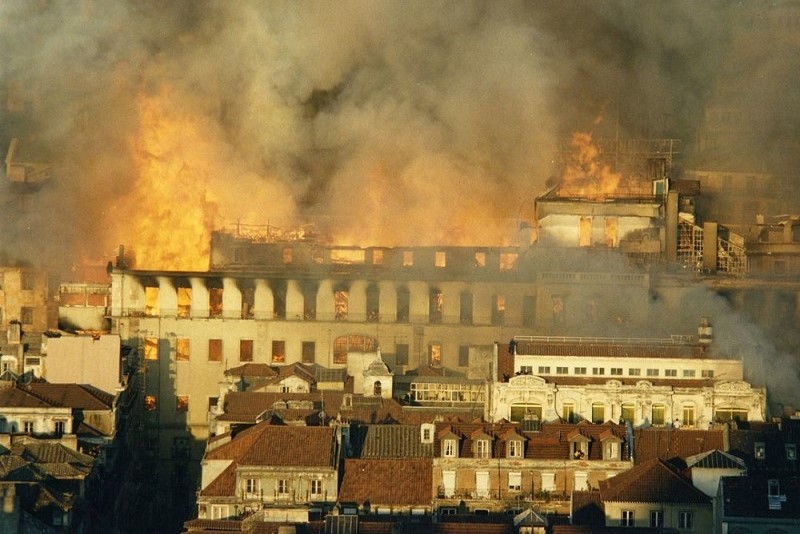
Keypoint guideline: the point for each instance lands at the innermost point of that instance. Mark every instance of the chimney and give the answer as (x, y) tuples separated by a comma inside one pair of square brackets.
[(705, 332), (121, 257)]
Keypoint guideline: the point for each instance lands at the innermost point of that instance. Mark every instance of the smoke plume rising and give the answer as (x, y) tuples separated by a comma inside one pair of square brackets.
[(391, 123), (410, 123)]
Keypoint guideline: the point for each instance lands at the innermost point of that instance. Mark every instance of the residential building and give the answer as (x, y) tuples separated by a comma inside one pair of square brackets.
[(679, 380), (501, 467), (85, 413), (83, 359), (290, 473), (759, 504), (45, 487), (388, 486), (654, 494)]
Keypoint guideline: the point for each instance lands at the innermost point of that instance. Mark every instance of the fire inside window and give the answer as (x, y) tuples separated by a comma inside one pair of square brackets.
[(480, 259), (499, 309), (436, 306), (182, 403), (278, 351), (248, 302), (151, 301), (440, 259), (182, 348), (340, 303), (151, 348), (408, 258), (435, 354), (215, 302), (150, 403), (340, 350), (508, 261), (184, 302)]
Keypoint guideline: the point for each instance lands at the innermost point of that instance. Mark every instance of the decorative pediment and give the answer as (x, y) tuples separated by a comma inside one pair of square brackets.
[(644, 384), (732, 385), (614, 383), (526, 381)]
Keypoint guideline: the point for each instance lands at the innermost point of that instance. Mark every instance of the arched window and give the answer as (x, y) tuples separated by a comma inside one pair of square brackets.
[(376, 388), (688, 414)]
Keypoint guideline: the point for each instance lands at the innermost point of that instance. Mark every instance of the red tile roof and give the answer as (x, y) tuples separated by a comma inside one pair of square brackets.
[(387, 482), (285, 446), (80, 396), (224, 485), (666, 443), (653, 481)]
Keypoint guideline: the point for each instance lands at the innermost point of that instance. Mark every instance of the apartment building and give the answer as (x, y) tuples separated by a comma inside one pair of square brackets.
[(678, 381)]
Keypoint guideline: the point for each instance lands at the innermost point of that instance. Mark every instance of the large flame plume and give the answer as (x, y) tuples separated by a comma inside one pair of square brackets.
[(586, 175), (170, 212)]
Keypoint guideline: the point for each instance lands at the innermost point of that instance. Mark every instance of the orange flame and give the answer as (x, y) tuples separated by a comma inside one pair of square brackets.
[(173, 216), (585, 175)]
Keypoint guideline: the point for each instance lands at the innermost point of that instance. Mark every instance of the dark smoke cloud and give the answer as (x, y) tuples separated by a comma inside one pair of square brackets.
[(348, 108), (390, 122)]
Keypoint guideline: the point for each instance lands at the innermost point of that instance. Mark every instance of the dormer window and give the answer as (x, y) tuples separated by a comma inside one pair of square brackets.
[(611, 450), (426, 433), (760, 451), (482, 449), (515, 448), (449, 448), (791, 451), (579, 447)]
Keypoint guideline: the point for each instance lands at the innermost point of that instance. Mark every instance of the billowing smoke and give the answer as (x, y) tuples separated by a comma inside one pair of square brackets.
[(382, 122)]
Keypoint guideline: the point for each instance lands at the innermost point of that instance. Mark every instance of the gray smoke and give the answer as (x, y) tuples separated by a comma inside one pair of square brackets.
[(361, 114)]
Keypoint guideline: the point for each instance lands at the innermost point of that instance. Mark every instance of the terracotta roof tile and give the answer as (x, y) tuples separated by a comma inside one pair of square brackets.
[(388, 482), (653, 481), (84, 397), (393, 441), (666, 443), (272, 445)]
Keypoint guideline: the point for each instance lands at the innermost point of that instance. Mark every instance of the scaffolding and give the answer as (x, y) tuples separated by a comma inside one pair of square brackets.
[(731, 258)]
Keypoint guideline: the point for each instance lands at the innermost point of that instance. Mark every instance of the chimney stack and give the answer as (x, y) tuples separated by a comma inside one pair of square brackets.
[(705, 333)]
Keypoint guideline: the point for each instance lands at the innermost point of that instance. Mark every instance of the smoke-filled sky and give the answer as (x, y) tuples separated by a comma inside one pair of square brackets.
[(382, 122)]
